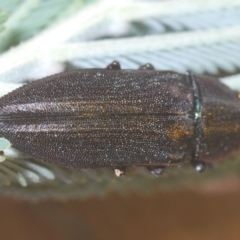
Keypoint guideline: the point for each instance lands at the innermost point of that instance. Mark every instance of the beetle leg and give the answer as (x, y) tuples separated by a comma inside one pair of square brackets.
[(147, 66), (157, 171), (115, 65), (2, 156), (199, 166), (120, 171)]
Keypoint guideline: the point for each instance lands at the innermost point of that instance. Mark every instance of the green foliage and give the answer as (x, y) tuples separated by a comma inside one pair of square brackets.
[(3, 18), (27, 18)]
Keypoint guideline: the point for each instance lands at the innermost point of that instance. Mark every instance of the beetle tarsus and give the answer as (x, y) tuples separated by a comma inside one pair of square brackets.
[(156, 171), (2, 156), (147, 66), (115, 65), (199, 166), (120, 171)]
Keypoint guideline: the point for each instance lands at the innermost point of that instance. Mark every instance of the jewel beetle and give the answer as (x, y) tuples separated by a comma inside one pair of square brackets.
[(116, 118)]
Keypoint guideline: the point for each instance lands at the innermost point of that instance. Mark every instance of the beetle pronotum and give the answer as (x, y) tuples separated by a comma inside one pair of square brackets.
[(117, 118)]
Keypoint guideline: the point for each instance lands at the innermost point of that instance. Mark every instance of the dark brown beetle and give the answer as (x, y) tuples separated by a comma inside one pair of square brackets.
[(118, 118)]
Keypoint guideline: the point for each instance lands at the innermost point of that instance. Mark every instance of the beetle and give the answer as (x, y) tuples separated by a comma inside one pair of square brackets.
[(116, 118)]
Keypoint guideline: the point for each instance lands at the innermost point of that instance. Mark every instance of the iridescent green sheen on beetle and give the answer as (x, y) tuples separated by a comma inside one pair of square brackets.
[(117, 118)]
